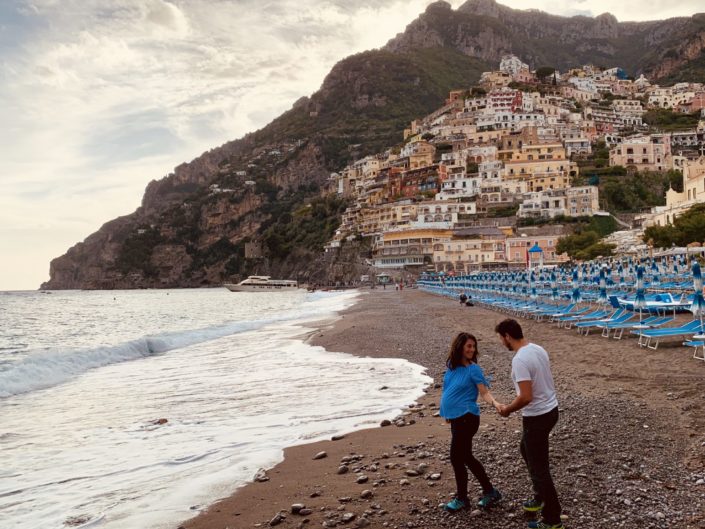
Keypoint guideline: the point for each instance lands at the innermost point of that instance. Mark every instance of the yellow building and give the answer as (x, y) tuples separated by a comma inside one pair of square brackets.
[(470, 249), (543, 166), (678, 203), (408, 248)]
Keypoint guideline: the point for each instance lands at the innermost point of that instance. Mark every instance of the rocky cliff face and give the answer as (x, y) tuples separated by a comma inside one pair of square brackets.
[(488, 30)]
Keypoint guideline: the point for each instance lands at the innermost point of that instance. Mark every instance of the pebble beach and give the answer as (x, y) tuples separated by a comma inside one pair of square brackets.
[(628, 450)]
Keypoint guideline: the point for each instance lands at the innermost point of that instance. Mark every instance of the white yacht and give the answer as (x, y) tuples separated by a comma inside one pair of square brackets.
[(262, 284)]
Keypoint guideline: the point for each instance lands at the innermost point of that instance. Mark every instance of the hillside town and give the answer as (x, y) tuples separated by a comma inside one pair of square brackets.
[(485, 181)]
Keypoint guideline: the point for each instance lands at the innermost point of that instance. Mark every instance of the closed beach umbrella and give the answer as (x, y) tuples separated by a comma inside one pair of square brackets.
[(622, 275), (554, 286), (640, 300), (532, 283), (575, 297), (698, 305), (602, 296)]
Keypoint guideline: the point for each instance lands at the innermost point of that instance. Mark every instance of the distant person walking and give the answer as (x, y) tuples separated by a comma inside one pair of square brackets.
[(536, 397), (462, 383)]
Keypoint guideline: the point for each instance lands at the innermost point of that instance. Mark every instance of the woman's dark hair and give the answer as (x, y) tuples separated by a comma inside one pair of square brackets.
[(455, 355), (509, 327)]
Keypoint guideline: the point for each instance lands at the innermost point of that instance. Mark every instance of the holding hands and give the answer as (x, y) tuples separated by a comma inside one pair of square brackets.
[(502, 409)]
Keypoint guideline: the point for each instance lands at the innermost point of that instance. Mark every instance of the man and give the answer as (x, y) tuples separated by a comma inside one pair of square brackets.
[(536, 397)]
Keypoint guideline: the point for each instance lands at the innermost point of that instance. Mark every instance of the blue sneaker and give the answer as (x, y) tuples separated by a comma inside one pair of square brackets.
[(489, 499), (455, 505), (537, 524)]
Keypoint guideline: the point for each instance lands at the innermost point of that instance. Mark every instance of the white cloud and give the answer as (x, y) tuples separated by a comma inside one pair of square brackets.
[(98, 97)]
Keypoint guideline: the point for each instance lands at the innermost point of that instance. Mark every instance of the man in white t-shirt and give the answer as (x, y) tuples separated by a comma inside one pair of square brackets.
[(536, 397)]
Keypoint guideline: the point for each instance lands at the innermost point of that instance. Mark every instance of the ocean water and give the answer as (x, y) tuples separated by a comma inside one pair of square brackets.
[(85, 378)]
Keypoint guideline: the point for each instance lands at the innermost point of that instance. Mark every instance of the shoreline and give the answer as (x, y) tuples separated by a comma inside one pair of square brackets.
[(627, 425)]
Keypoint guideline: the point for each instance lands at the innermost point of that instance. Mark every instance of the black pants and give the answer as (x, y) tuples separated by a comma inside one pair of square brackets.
[(534, 450), (463, 429)]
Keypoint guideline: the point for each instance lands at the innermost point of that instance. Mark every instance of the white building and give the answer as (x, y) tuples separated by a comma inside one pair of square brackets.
[(512, 65)]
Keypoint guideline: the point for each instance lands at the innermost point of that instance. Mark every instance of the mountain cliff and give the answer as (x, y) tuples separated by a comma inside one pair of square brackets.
[(270, 187), (488, 30)]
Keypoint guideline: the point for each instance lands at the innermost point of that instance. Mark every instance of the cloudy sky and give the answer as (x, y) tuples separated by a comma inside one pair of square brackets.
[(98, 97)]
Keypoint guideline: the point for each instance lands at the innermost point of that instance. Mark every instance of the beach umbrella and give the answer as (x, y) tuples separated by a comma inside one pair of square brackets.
[(622, 275), (640, 299), (575, 297), (697, 307), (602, 296), (554, 286)]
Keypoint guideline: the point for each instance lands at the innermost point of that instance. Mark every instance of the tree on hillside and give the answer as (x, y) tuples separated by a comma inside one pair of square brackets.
[(545, 71), (689, 227)]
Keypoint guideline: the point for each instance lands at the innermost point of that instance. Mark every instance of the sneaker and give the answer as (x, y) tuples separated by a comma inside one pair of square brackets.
[(455, 505), (489, 499), (533, 506), (537, 524)]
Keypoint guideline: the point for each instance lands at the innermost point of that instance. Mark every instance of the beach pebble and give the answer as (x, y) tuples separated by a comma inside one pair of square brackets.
[(278, 518), (337, 437), (305, 512), (366, 494), (320, 455), (434, 477), (348, 517), (362, 479), (385, 422), (404, 482), (412, 473), (261, 476), (296, 508), (343, 469)]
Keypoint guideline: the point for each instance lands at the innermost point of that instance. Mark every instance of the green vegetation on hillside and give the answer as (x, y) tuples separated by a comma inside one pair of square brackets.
[(136, 251), (302, 225), (368, 99), (585, 243), (669, 121), (689, 227)]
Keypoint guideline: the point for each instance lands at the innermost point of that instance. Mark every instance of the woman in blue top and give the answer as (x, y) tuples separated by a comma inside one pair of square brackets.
[(462, 383)]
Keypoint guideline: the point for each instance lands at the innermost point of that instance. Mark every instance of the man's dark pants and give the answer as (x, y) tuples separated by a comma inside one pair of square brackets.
[(534, 450)]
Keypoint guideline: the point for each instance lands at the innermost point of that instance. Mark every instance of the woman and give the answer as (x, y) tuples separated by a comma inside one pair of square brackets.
[(462, 383)]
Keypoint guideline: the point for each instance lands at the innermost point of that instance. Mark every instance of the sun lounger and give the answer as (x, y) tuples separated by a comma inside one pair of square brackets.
[(646, 336), (568, 314), (567, 321), (652, 322), (697, 344), (618, 316)]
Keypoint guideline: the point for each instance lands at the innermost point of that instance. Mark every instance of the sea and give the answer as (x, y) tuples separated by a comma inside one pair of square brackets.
[(138, 409)]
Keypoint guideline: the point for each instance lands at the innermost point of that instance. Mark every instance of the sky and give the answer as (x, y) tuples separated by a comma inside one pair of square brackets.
[(98, 97)]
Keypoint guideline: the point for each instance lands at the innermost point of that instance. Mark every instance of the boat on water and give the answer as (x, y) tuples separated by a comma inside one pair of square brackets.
[(262, 284)]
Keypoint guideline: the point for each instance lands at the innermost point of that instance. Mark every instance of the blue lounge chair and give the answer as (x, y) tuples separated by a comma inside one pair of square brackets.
[(556, 317), (618, 316), (652, 322), (646, 336), (567, 321), (697, 344)]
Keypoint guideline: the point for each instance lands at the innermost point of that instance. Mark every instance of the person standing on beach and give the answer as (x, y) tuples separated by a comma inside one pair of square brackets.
[(536, 397), (462, 383)]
